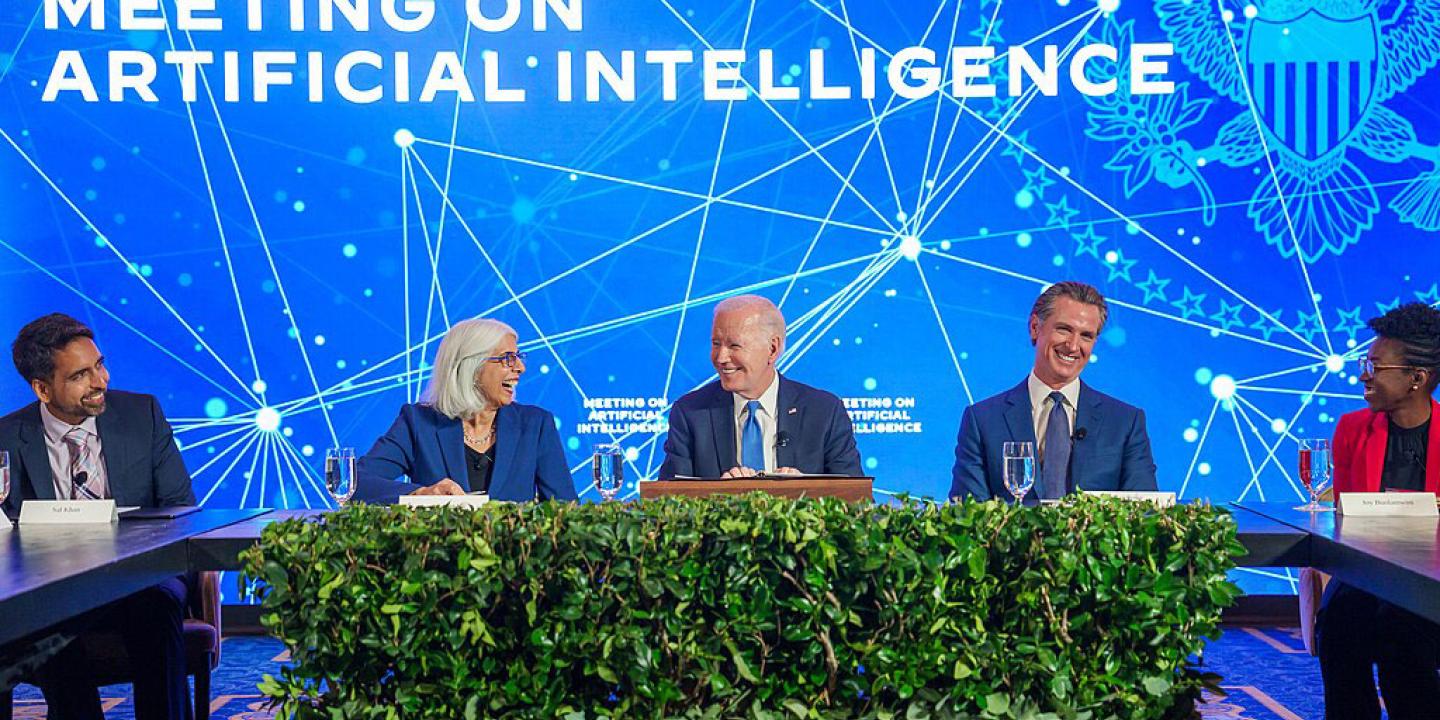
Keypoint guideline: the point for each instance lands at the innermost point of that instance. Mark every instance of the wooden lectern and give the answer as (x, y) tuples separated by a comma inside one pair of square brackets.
[(847, 489)]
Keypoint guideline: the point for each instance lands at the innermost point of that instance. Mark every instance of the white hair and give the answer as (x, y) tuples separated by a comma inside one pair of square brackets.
[(767, 316), (462, 352)]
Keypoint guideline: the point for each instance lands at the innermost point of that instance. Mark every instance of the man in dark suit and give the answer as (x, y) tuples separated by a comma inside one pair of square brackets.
[(82, 441), (1083, 439), (753, 420)]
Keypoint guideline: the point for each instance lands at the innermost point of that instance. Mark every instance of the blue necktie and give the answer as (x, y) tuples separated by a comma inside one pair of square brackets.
[(752, 441), (1056, 464)]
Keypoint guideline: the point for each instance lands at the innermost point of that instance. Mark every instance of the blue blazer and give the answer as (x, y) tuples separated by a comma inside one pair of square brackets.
[(1114, 454), (428, 447), (813, 433), (142, 464)]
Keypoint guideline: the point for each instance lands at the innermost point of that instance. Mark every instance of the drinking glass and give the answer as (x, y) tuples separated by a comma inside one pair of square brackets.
[(4, 483), (1019, 469), (609, 466), (340, 473), (1316, 472)]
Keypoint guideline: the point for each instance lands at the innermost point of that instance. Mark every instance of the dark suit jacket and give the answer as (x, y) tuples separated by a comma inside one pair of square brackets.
[(428, 447), (817, 435), (142, 465), (1113, 455)]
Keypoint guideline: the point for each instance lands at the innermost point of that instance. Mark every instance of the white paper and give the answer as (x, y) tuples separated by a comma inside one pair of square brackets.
[(68, 512), (1400, 504), (470, 501), (1161, 499)]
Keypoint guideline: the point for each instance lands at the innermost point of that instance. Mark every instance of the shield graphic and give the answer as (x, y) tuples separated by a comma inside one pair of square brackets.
[(1313, 77)]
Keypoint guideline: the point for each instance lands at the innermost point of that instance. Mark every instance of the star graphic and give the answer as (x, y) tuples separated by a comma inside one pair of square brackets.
[(1309, 325), (1190, 304), (1387, 307), (1061, 213), (992, 28), (1154, 287), (1350, 322), (1229, 315), (998, 109), (1431, 296), (1265, 326), (1037, 180), (1017, 148), (1121, 267), (1087, 243)]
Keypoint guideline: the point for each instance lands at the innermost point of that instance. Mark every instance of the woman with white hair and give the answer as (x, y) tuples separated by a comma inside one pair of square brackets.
[(469, 435)]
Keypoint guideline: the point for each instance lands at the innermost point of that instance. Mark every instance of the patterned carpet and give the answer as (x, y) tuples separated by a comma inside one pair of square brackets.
[(1267, 674)]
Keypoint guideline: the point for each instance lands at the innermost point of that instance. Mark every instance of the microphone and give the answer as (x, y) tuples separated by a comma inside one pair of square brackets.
[(1079, 435), (80, 478), (782, 439)]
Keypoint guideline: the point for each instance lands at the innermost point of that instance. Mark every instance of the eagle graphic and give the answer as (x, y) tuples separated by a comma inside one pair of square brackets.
[(1311, 78)]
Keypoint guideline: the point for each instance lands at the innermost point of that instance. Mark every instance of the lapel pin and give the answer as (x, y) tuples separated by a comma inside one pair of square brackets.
[(791, 412)]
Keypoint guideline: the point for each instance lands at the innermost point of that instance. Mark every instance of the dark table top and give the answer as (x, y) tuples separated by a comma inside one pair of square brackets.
[(51, 573), (1269, 542), (220, 549), (1394, 558)]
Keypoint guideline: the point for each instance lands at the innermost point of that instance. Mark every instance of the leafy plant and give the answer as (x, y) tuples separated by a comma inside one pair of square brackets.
[(753, 606)]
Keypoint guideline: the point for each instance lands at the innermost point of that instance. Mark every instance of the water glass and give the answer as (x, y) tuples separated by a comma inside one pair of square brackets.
[(340, 473), (4, 477), (609, 466), (1316, 467), (1019, 469)]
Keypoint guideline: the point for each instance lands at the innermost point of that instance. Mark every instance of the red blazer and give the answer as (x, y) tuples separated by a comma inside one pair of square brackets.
[(1359, 448)]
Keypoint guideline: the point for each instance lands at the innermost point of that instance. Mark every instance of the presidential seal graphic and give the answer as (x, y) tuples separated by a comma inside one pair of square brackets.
[(1311, 80)]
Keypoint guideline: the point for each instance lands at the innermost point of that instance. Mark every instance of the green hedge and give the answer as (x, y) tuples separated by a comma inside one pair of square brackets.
[(745, 607)]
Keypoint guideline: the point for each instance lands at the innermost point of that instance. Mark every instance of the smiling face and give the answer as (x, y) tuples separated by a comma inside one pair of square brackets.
[(496, 382), (743, 352), (76, 389), (1063, 341), (1386, 389)]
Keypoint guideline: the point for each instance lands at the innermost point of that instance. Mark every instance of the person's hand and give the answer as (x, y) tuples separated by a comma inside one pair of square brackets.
[(444, 487), (787, 471), (738, 472)]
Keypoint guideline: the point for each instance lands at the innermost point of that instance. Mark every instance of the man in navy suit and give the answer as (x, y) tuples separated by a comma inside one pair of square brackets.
[(83, 441), (1083, 439), (753, 420)]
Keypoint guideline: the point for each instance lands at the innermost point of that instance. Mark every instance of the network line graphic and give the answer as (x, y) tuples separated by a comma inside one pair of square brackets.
[(280, 274)]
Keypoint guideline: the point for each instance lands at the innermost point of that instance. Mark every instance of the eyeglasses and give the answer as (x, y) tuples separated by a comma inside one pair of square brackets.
[(1368, 366), (509, 359)]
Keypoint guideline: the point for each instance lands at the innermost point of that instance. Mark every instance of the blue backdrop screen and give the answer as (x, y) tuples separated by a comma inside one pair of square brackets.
[(279, 272)]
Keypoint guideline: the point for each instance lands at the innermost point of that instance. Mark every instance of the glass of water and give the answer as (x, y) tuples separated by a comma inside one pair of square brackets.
[(609, 465), (1316, 469), (1019, 469), (340, 473), (4, 478)]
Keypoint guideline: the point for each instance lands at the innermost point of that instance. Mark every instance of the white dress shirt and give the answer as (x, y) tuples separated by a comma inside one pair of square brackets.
[(59, 452), (1040, 408), (766, 417)]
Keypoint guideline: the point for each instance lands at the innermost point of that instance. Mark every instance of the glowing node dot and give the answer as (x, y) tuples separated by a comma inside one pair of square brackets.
[(267, 419), (1222, 387), (1277, 425), (1191, 435), (1024, 239), (1334, 363), (216, 408), (1228, 16), (1024, 199), (1204, 375), (307, 450), (1204, 468), (532, 61), (1251, 11), (902, 216), (404, 138), (945, 244), (910, 247), (349, 250), (258, 386), (870, 383), (632, 454), (1112, 257), (319, 339), (1109, 6)]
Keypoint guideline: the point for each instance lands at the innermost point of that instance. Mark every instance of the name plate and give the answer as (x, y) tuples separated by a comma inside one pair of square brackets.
[(470, 501), (1401, 504), (68, 512), (1161, 499)]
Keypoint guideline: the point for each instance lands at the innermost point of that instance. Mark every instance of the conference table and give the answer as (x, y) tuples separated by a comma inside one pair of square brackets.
[(50, 574)]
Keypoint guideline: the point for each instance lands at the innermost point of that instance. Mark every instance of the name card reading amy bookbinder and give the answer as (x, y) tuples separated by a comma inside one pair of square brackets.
[(1387, 504), (67, 512)]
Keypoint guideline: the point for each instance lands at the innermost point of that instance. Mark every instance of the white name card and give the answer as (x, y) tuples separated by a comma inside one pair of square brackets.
[(1401, 504), (67, 512), (1161, 499), (470, 501)]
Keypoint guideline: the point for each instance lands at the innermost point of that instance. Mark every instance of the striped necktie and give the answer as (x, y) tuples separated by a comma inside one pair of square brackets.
[(82, 465)]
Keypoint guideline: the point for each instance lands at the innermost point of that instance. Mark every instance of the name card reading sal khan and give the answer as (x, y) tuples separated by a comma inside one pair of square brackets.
[(368, 75)]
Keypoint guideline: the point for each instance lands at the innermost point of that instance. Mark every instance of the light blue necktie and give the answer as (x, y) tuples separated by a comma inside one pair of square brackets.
[(752, 441), (1055, 466)]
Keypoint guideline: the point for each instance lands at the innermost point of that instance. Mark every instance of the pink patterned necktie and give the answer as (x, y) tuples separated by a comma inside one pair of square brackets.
[(81, 465)]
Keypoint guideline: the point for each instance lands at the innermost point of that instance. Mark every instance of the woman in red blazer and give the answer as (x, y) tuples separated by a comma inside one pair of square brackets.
[(1392, 445)]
